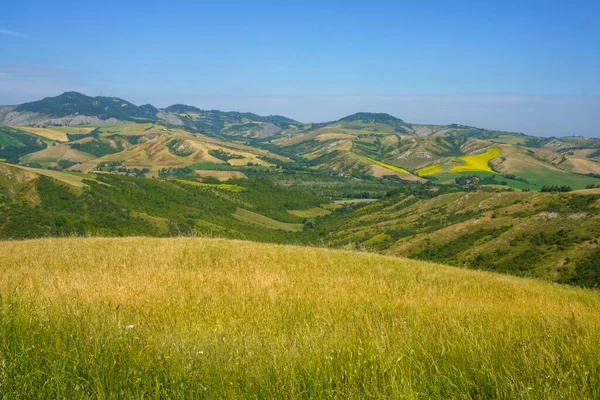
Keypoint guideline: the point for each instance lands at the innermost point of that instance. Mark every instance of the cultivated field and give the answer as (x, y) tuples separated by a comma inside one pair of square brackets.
[(201, 318)]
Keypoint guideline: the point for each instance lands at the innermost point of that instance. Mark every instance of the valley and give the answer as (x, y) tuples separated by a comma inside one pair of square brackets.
[(470, 197)]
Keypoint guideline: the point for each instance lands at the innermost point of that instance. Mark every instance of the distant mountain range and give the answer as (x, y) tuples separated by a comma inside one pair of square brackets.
[(73, 108), (85, 133)]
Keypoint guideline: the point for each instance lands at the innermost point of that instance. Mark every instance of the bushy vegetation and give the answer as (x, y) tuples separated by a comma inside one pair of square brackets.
[(446, 252), (466, 180), (587, 271), (224, 155), (214, 122), (15, 144), (177, 173), (108, 166), (77, 136), (102, 146), (116, 205), (556, 188)]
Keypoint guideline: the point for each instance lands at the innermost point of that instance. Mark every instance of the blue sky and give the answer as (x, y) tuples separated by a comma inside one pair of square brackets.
[(527, 66)]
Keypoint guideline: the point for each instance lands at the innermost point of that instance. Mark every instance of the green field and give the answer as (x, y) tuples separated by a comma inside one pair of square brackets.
[(232, 188), (265, 222), (198, 318), (539, 176), (70, 178), (310, 213)]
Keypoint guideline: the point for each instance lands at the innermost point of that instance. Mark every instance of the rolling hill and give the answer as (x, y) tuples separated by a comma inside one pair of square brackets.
[(73, 109), (544, 235), (42, 203), (89, 132), (206, 318)]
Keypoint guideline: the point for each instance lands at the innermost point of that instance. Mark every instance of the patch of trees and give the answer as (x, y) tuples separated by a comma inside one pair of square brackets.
[(77, 136), (566, 204), (64, 164), (556, 188), (177, 173), (33, 165), (558, 240), (478, 180), (587, 271), (98, 147), (108, 166), (22, 143), (515, 178), (447, 251), (224, 155), (117, 167), (275, 200)]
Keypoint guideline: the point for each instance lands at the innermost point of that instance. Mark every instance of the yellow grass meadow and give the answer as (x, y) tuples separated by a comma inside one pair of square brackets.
[(214, 318)]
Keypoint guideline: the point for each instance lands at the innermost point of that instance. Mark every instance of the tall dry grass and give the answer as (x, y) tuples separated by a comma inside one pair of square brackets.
[(206, 318)]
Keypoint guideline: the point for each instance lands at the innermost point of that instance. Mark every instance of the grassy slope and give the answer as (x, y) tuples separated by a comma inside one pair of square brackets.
[(58, 133), (198, 318), (70, 178), (265, 222), (51, 155), (41, 203), (529, 234)]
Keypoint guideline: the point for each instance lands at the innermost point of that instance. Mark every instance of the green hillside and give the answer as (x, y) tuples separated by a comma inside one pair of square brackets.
[(57, 203), (545, 235), (364, 145), (74, 103)]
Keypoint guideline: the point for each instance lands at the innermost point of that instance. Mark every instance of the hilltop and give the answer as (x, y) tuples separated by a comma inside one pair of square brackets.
[(73, 108), (200, 318)]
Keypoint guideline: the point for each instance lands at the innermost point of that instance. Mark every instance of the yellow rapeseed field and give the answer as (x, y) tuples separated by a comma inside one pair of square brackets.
[(388, 166), (477, 162), (430, 170)]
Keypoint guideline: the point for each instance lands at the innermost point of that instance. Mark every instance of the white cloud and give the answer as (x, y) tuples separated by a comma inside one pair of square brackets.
[(10, 33)]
